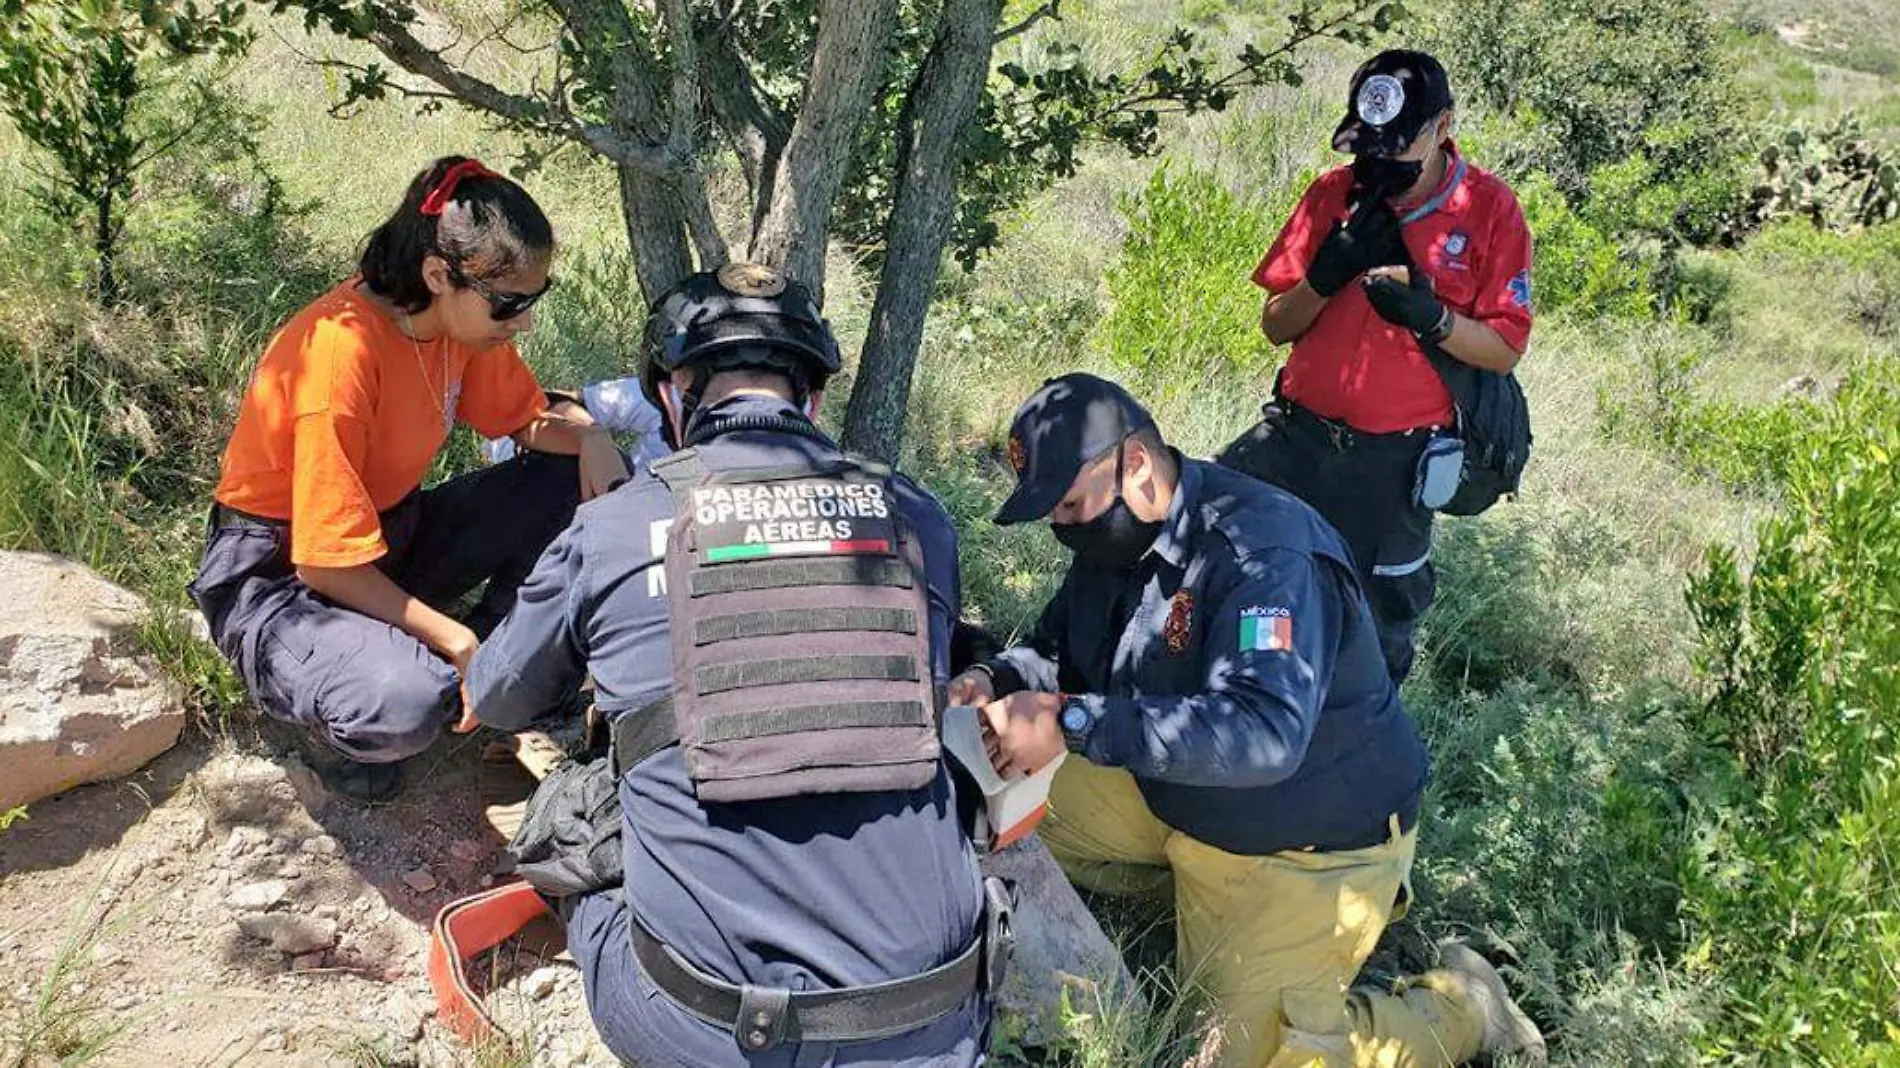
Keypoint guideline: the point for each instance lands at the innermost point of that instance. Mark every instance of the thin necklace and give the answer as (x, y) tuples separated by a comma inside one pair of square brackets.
[(442, 405)]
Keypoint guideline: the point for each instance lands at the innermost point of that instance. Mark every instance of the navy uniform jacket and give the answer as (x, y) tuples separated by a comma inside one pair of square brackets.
[(808, 892), (1236, 673)]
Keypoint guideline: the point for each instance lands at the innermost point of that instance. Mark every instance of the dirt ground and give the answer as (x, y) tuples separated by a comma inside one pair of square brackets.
[(219, 908)]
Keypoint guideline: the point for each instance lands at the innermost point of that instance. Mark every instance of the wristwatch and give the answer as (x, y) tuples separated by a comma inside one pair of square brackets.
[(1078, 721)]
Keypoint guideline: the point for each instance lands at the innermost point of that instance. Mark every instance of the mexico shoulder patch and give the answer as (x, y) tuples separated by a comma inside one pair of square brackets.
[(1265, 629)]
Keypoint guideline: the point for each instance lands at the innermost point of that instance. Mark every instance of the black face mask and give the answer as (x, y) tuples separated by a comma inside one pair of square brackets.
[(1113, 539), (1386, 177)]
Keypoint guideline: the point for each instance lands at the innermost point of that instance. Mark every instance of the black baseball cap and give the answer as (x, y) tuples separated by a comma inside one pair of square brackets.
[(1394, 94), (1067, 423)]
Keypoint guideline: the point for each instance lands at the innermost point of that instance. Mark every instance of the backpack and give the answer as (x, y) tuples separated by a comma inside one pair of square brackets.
[(1494, 421)]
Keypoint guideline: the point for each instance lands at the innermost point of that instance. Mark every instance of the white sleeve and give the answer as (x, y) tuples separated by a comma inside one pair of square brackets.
[(619, 405)]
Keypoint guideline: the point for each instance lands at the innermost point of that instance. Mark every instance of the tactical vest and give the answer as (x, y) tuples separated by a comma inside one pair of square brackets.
[(801, 649)]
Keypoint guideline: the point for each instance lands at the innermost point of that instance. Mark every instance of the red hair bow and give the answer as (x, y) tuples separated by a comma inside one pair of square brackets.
[(438, 198)]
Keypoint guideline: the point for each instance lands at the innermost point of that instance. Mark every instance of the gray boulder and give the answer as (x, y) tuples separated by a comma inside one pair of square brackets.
[(1058, 945), (78, 703)]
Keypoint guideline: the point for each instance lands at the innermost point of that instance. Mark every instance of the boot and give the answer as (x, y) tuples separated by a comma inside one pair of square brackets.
[(366, 784), (1507, 1031)]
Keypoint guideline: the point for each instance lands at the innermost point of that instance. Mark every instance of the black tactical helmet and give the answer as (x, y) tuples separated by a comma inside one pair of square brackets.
[(742, 315)]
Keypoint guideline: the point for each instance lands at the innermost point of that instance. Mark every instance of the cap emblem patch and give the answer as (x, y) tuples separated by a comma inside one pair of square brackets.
[(1381, 99), (751, 280), (1018, 456)]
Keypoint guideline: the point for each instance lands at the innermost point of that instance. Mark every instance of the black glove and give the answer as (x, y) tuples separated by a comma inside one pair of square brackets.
[(1370, 238), (1411, 305)]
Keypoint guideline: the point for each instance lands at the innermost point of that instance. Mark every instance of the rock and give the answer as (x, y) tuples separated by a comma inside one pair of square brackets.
[(125, 1002), (259, 896), (308, 787), (272, 1042), (541, 982), (105, 954), (305, 962), (328, 912), (78, 702), (321, 845), (188, 826), (288, 932), (1058, 944), (419, 880), (243, 840), (249, 792)]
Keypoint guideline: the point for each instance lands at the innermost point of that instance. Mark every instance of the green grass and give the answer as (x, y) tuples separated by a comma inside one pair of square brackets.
[(64, 1020), (1852, 63)]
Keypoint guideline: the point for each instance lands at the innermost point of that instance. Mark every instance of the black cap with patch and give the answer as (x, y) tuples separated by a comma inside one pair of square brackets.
[(1067, 423), (1394, 94)]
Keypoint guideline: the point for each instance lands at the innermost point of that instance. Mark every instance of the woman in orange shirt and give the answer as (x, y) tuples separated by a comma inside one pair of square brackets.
[(327, 568)]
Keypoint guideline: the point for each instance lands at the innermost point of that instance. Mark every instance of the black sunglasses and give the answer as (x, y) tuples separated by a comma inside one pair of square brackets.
[(501, 306)]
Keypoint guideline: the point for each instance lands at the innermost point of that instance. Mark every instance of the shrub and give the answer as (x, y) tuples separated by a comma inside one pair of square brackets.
[(1181, 309), (96, 88), (1633, 197), (1578, 265), (1608, 79), (1795, 900), (1559, 825)]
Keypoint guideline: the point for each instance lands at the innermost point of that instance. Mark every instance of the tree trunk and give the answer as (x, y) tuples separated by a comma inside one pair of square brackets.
[(937, 112), (656, 231), (847, 60), (105, 241)]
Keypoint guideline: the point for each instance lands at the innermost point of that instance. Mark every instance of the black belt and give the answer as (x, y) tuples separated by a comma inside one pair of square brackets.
[(641, 732), (1344, 435), (762, 1018)]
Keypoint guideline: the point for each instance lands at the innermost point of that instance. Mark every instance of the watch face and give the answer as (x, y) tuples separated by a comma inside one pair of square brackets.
[(1074, 717)]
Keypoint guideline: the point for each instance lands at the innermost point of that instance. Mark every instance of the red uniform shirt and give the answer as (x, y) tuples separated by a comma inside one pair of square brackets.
[(1352, 365)]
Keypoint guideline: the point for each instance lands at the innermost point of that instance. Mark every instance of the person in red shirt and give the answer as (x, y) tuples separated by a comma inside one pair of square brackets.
[(328, 570), (1410, 246)]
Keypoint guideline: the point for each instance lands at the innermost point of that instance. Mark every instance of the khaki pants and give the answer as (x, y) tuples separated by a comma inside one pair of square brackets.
[(1274, 941)]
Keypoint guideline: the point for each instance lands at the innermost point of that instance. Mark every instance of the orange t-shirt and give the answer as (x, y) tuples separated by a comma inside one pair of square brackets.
[(344, 415)]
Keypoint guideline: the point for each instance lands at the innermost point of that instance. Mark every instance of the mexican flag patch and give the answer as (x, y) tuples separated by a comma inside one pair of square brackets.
[(1264, 629)]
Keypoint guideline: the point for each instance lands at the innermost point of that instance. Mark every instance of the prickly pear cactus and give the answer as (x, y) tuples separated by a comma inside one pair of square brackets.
[(1836, 178)]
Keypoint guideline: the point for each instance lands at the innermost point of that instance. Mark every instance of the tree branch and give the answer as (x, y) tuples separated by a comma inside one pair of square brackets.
[(738, 104), (1246, 74), (937, 110), (408, 52), (847, 58), (1050, 10), (603, 27), (702, 225), (685, 117), (758, 130)]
